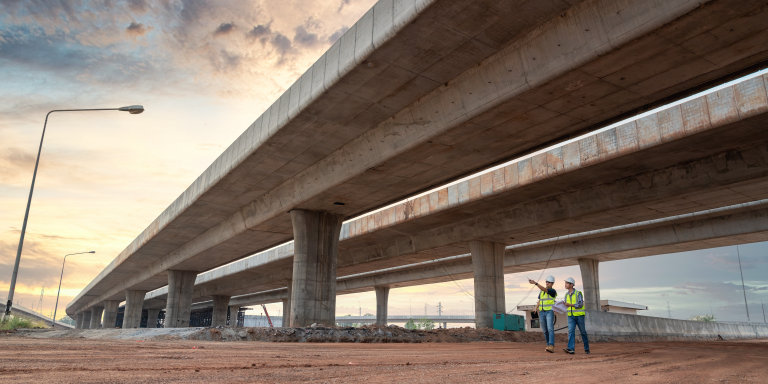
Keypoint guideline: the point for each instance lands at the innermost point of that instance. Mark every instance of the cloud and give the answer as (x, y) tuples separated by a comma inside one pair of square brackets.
[(342, 4), (138, 6), (282, 44), (136, 29), (260, 31), (337, 35), (305, 38), (224, 29)]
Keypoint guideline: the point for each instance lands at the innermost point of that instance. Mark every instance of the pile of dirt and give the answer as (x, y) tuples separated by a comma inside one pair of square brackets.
[(318, 334), (366, 334)]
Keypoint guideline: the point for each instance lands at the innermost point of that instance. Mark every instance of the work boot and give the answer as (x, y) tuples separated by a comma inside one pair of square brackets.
[(551, 348)]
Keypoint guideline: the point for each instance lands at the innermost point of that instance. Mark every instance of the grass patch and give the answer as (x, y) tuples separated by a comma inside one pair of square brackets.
[(19, 322)]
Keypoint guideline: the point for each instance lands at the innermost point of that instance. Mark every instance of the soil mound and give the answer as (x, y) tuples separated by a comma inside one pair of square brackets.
[(366, 334)]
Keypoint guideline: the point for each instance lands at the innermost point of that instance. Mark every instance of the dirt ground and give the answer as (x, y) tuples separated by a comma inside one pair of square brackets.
[(80, 360)]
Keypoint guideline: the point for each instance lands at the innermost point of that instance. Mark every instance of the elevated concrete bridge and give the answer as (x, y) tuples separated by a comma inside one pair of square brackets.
[(421, 92)]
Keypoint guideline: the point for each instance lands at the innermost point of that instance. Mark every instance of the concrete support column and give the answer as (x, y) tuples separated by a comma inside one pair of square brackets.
[(134, 301), (488, 268), (110, 313), (179, 305), (233, 310), (152, 317), (591, 281), (79, 321), (315, 248), (287, 306), (382, 299), (87, 319), (219, 316), (96, 317)]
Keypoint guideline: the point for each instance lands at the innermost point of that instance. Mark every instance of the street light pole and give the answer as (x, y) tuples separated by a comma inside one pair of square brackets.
[(132, 109), (53, 323)]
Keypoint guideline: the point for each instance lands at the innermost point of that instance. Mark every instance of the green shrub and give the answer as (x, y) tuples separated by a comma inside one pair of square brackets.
[(16, 322)]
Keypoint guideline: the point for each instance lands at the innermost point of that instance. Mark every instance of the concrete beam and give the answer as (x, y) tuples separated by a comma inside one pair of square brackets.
[(134, 301), (709, 229), (313, 295), (220, 307), (179, 306), (591, 281), (488, 271), (233, 311), (152, 315), (110, 313), (382, 303), (96, 317)]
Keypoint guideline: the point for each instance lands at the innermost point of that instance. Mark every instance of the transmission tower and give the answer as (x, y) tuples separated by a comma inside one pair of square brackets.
[(40, 303), (439, 309), (669, 310), (425, 309)]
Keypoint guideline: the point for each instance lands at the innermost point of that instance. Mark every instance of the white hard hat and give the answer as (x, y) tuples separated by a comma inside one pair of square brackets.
[(570, 280), (550, 279)]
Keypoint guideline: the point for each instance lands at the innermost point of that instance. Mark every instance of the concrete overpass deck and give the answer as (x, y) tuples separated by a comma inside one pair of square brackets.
[(475, 197), (743, 223), (365, 126)]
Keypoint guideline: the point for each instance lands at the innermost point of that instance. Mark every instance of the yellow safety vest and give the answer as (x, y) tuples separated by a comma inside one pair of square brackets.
[(545, 301), (574, 299)]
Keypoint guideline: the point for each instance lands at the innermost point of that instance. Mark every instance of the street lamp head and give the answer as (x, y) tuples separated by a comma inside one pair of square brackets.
[(133, 109)]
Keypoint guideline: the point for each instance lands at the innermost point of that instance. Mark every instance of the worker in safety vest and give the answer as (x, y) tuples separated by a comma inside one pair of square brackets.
[(574, 302), (546, 315)]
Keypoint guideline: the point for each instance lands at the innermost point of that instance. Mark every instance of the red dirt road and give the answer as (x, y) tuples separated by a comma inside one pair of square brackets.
[(27, 360)]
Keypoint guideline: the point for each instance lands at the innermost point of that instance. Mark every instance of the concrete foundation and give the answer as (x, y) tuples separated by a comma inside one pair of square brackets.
[(233, 310), (590, 280), (488, 266), (152, 315), (96, 317), (133, 303), (287, 306), (179, 302), (316, 243), (110, 313), (382, 300), (219, 316)]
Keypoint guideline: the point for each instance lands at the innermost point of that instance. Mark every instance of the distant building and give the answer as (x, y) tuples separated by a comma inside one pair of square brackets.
[(561, 321)]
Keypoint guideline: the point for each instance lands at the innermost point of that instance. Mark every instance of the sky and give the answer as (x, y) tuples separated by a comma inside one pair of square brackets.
[(205, 70)]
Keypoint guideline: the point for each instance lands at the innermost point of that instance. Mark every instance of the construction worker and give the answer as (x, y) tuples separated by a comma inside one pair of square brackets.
[(544, 307), (574, 302)]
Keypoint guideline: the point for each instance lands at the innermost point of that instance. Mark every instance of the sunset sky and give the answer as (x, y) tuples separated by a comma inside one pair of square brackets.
[(205, 70)]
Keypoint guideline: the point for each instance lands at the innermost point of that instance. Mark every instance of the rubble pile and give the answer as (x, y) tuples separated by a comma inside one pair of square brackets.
[(365, 334)]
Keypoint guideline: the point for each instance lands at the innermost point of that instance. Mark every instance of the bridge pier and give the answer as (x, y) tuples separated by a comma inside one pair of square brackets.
[(152, 315), (233, 310), (110, 313), (134, 301), (382, 300), (87, 320), (316, 244), (220, 306), (96, 317), (488, 267), (179, 302), (590, 280), (287, 306), (79, 321)]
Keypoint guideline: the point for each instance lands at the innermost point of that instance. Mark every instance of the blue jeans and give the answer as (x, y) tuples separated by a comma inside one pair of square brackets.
[(573, 321), (546, 320)]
